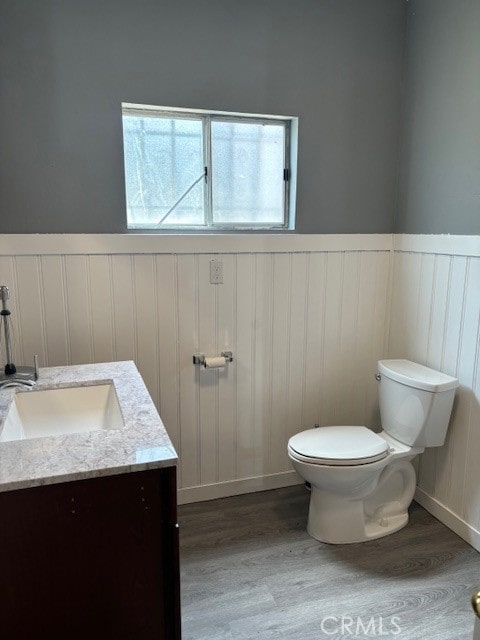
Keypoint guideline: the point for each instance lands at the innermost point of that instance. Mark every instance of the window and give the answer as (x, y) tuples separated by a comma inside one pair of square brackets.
[(203, 170)]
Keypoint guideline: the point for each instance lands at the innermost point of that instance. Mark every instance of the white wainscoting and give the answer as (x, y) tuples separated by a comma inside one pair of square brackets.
[(306, 317), (306, 326), (435, 320)]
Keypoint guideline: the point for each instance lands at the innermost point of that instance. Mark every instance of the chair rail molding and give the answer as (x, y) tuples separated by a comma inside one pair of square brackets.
[(154, 243)]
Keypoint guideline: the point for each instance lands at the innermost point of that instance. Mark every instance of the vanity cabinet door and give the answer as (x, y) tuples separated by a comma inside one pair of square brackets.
[(92, 558)]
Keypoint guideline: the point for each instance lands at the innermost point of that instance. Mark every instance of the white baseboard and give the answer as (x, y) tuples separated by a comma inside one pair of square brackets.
[(449, 518), (237, 487)]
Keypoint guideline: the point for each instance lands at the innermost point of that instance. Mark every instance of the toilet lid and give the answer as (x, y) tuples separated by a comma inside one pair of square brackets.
[(338, 445)]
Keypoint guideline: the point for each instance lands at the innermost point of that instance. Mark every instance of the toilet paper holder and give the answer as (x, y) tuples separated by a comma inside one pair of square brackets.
[(199, 358)]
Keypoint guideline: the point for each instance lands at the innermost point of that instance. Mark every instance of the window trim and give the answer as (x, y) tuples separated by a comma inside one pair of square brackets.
[(289, 123)]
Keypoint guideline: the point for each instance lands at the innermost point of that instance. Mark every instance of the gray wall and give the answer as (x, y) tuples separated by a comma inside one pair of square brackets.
[(66, 65), (439, 185)]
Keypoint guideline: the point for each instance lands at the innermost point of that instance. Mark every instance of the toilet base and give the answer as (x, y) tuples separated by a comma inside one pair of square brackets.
[(371, 531), (342, 519)]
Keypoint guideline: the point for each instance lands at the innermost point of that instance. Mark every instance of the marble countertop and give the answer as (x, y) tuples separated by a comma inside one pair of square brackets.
[(142, 444)]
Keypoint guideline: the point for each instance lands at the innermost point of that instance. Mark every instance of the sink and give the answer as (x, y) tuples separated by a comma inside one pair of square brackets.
[(53, 412)]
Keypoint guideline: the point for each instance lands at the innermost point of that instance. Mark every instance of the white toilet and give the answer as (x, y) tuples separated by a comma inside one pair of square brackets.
[(362, 482)]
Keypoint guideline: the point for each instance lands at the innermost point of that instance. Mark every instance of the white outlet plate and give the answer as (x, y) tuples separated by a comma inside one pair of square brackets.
[(216, 272)]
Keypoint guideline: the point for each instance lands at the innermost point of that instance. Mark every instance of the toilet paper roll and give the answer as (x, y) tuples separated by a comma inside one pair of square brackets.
[(215, 363)]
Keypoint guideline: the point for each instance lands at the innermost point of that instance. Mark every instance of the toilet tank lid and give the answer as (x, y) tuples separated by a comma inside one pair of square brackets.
[(416, 375)]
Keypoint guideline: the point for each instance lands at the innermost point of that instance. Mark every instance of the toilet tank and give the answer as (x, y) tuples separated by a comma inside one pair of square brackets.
[(415, 402)]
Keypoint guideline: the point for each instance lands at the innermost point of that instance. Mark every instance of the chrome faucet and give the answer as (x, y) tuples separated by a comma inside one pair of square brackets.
[(13, 375)]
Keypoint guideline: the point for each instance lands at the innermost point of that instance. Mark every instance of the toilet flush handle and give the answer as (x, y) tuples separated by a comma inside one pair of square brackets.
[(378, 377)]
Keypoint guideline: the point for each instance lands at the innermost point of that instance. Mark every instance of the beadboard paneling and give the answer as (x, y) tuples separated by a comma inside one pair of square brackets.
[(306, 329), (435, 320)]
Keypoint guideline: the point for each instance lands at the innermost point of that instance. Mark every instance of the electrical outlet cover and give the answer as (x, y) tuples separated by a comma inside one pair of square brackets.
[(216, 272)]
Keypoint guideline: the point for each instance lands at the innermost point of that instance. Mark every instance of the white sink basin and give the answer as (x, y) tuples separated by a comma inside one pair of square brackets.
[(53, 412)]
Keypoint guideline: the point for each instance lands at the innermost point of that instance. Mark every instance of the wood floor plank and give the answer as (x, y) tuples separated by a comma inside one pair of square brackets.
[(250, 570)]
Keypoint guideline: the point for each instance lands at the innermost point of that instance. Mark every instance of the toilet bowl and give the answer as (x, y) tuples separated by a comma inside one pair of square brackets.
[(362, 483)]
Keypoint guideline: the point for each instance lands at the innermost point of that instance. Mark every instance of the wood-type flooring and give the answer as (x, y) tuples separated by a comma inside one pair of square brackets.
[(250, 571)]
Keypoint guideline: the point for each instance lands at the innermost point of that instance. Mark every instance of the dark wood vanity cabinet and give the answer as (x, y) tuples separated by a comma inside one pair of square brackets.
[(95, 558)]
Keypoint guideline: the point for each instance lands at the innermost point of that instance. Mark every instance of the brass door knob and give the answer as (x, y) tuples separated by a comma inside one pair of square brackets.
[(476, 603)]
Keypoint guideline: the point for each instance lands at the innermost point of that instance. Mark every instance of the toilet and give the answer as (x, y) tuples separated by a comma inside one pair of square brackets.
[(362, 482)]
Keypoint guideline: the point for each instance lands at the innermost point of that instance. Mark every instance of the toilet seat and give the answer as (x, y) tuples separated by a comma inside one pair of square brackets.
[(338, 446)]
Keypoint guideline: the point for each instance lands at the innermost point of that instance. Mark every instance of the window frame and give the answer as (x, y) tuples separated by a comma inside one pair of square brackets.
[(206, 118)]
